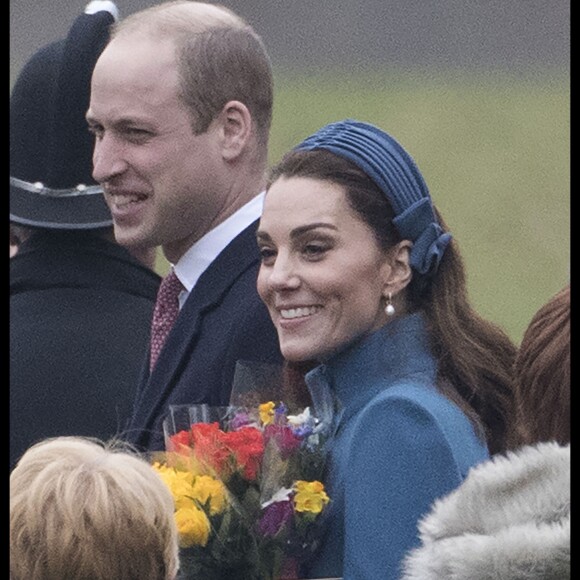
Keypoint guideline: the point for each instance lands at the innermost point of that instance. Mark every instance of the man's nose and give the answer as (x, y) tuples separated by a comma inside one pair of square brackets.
[(108, 160)]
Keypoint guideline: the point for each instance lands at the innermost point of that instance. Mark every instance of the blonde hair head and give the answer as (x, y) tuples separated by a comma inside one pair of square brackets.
[(85, 509)]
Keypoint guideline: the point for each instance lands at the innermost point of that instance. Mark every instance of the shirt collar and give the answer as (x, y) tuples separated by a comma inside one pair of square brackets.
[(198, 258)]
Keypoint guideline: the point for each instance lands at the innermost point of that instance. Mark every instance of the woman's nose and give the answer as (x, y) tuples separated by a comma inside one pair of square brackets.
[(284, 274)]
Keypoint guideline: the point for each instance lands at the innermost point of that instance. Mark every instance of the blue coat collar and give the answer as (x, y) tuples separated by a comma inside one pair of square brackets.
[(398, 349)]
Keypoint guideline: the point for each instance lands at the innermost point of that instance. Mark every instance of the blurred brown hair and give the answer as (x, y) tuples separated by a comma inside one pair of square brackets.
[(542, 375)]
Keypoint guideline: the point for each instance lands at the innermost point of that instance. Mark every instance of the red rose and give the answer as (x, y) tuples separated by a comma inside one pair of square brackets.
[(247, 446), (180, 442), (210, 449)]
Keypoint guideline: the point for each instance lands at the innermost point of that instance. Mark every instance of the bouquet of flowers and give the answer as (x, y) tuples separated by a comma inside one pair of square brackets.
[(247, 485)]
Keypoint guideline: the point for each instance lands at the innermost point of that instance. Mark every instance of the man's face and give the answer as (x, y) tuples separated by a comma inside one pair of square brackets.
[(162, 182)]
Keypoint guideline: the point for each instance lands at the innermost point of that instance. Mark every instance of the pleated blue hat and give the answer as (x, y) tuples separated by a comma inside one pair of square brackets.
[(394, 171)]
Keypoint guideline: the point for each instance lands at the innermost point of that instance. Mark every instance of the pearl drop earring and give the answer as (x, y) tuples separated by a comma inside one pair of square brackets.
[(389, 308)]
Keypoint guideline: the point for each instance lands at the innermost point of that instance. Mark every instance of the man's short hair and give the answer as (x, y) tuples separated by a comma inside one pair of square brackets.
[(220, 58)]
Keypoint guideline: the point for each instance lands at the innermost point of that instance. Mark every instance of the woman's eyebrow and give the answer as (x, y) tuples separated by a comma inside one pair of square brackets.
[(263, 236), (297, 232)]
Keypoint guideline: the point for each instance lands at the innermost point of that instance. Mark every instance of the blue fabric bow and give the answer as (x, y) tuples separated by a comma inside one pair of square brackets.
[(418, 223)]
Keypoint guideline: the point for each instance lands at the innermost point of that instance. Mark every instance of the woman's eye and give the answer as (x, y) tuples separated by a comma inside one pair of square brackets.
[(267, 255), (96, 130), (314, 250)]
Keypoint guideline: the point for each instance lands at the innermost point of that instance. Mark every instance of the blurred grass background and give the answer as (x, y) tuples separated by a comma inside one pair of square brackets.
[(478, 92), (494, 150)]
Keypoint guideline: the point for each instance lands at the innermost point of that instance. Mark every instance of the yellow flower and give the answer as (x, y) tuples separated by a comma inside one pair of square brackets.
[(310, 496), (208, 488), (193, 526), (180, 483), (267, 412)]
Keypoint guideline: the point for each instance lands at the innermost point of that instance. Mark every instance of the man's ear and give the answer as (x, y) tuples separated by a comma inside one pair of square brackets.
[(236, 129), (399, 273)]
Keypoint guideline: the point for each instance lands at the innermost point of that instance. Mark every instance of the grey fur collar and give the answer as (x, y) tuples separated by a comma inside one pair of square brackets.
[(509, 520)]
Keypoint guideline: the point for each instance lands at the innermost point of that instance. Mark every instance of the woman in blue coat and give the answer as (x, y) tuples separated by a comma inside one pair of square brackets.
[(360, 275)]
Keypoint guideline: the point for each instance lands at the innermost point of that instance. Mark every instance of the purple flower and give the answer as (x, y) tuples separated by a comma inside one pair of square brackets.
[(240, 419), (280, 413), (303, 432), (275, 516)]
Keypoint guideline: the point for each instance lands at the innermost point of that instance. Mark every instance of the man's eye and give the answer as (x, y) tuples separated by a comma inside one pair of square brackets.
[(137, 131), (137, 134)]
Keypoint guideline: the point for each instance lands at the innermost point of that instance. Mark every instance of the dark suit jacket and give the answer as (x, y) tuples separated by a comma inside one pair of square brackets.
[(80, 315), (222, 321)]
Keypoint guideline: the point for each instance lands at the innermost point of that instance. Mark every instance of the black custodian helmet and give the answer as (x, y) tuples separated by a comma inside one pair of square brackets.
[(50, 146)]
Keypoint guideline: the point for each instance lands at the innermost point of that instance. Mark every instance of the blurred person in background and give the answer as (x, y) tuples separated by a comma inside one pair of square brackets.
[(81, 509), (80, 304), (183, 167), (360, 273), (510, 519), (542, 371)]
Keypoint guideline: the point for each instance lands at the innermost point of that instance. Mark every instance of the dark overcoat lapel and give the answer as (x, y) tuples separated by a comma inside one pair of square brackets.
[(179, 377)]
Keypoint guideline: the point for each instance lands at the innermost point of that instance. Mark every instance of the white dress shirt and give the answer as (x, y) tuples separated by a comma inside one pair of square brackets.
[(198, 258)]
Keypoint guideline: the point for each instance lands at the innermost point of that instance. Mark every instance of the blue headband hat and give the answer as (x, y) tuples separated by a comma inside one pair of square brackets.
[(393, 170)]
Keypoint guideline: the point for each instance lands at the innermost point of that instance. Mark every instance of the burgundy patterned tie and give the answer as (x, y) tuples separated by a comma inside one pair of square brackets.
[(165, 313)]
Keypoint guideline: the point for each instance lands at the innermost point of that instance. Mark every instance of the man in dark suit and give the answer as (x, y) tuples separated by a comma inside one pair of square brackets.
[(80, 304), (181, 105)]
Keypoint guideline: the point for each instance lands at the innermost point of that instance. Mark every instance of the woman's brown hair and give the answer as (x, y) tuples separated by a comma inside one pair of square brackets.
[(475, 356)]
